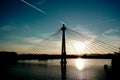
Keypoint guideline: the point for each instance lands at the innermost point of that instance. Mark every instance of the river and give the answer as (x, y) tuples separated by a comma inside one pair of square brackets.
[(75, 69)]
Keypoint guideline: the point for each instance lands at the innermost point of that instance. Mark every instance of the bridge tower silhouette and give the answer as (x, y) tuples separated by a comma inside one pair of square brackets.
[(63, 52)]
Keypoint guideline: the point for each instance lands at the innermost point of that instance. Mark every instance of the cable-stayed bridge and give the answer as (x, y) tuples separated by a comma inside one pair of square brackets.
[(74, 42), (67, 42)]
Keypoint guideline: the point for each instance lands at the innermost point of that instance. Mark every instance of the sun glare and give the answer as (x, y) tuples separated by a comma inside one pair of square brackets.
[(80, 46), (79, 64)]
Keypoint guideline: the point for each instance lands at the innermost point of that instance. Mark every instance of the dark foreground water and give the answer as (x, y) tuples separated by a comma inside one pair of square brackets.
[(75, 69)]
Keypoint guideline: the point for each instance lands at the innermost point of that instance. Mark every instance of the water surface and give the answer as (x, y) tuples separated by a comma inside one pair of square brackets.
[(75, 69)]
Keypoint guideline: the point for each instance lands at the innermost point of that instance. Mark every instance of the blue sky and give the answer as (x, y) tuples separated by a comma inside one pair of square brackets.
[(22, 25)]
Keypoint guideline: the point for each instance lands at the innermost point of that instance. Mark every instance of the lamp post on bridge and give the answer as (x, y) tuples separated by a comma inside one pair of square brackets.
[(63, 52)]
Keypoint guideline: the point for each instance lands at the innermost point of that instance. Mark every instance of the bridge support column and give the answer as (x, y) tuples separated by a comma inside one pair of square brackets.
[(63, 52)]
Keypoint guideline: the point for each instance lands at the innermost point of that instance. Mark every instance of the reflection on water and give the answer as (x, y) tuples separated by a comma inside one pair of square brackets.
[(79, 64), (63, 71), (75, 69)]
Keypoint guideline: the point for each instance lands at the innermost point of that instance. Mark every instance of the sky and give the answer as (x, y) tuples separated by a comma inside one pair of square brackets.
[(24, 23)]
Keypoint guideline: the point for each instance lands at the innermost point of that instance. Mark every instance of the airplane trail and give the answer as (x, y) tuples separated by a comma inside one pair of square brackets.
[(39, 10), (34, 7)]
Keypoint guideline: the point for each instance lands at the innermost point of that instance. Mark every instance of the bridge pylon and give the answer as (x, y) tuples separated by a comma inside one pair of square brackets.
[(63, 51)]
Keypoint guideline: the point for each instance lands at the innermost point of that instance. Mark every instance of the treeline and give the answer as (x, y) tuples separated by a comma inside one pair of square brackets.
[(8, 57), (98, 56), (12, 57), (43, 56), (47, 56)]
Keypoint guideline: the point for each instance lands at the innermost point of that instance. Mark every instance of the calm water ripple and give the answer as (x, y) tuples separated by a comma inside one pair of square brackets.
[(75, 69)]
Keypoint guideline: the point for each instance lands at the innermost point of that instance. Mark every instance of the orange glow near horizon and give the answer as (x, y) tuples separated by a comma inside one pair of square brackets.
[(54, 47)]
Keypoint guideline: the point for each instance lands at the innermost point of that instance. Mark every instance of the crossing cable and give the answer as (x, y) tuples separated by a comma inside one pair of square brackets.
[(41, 46), (82, 41), (87, 37)]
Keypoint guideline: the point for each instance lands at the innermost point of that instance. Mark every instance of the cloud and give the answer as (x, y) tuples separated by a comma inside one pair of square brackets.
[(40, 2), (32, 40), (111, 33), (102, 22), (111, 36), (11, 46), (25, 40), (84, 31), (20, 44), (6, 28), (27, 27)]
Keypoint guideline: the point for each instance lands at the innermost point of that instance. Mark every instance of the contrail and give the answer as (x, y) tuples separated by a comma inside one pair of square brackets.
[(34, 7), (39, 10)]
